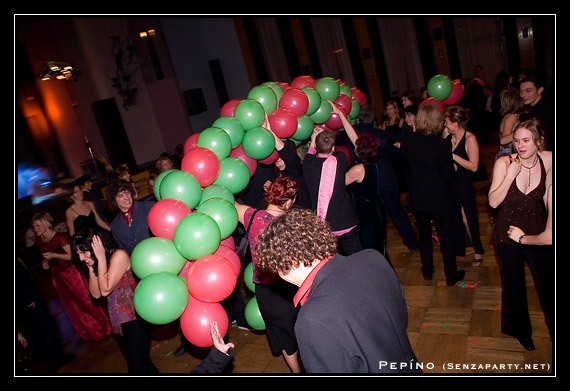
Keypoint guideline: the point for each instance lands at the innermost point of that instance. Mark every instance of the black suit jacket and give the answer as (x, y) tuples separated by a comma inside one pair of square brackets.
[(431, 171)]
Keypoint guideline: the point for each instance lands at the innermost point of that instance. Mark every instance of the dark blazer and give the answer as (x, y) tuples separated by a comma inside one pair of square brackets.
[(128, 237), (340, 214), (355, 318), (431, 171)]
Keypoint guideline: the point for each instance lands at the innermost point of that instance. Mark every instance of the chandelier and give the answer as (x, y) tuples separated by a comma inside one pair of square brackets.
[(59, 71)]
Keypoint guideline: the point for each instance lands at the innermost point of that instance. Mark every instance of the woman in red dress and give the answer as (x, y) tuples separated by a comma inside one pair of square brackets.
[(89, 320)]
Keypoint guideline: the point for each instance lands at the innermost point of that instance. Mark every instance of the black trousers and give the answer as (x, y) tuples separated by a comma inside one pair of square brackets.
[(446, 226), (515, 319), (136, 342)]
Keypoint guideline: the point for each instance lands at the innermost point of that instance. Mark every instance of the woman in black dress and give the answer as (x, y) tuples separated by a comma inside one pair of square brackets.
[(465, 150), (362, 182), (81, 214)]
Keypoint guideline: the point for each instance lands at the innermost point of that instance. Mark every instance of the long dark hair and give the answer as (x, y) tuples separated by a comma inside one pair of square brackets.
[(83, 240)]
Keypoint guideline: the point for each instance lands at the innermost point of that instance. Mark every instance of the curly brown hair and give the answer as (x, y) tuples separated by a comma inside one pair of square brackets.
[(296, 237), (116, 186)]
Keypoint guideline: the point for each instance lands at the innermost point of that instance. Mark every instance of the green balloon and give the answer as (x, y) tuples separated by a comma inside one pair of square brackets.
[(250, 113), (216, 140), (355, 110), (328, 88), (216, 191), (161, 298), (253, 315), (258, 143), (155, 255), (314, 99), (345, 89), (265, 96), (157, 182), (181, 185), (223, 212), (323, 114), (439, 87), (233, 128), (248, 277), (304, 128), (275, 87), (234, 175), (196, 235)]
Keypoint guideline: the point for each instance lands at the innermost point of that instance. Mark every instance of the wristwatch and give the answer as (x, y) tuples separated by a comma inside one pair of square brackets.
[(521, 238)]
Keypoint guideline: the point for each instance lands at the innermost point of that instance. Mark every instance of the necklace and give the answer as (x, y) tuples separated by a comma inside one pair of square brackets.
[(276, 210), (529, 168), (44, 237)]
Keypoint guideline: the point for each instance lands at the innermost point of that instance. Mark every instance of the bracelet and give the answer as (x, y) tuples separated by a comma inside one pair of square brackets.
[(521, 238)]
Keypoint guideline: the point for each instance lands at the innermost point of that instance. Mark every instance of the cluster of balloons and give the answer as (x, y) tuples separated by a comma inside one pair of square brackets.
[(443, 91), (190, 264)]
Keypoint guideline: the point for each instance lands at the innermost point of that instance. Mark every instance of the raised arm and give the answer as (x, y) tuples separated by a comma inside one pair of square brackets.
[(505, 171), (109, 277), (279, 144), (350, 132)]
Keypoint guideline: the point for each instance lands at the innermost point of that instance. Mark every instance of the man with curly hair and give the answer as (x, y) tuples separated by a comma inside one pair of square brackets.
[(130, 226), (353, 314)]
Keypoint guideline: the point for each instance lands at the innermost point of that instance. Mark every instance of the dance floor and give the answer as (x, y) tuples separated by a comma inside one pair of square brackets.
[(453, 330)]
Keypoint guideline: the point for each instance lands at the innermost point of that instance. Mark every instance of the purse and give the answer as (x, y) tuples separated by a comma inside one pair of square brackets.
[(242, 248)]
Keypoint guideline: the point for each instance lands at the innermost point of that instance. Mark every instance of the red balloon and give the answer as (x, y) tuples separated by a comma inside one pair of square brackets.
[(358, 95), (284, 86), (436, 103), (344, 103), (303, 81), (230, 255), (196, 318), (229, 107), (165, 215), (249, 161), (334, 122), (271, 158), (211, 278), (190, 142), (203, 164), (295, 100), (229, 242), (456, 93), (283, 122)]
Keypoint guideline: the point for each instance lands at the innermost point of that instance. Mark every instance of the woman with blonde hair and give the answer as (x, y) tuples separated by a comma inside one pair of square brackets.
[(392, 122), (519, 187), (431, 175), (511, 105)]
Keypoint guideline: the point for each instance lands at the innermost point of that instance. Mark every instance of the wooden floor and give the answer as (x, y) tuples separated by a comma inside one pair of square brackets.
[(452, 329)]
